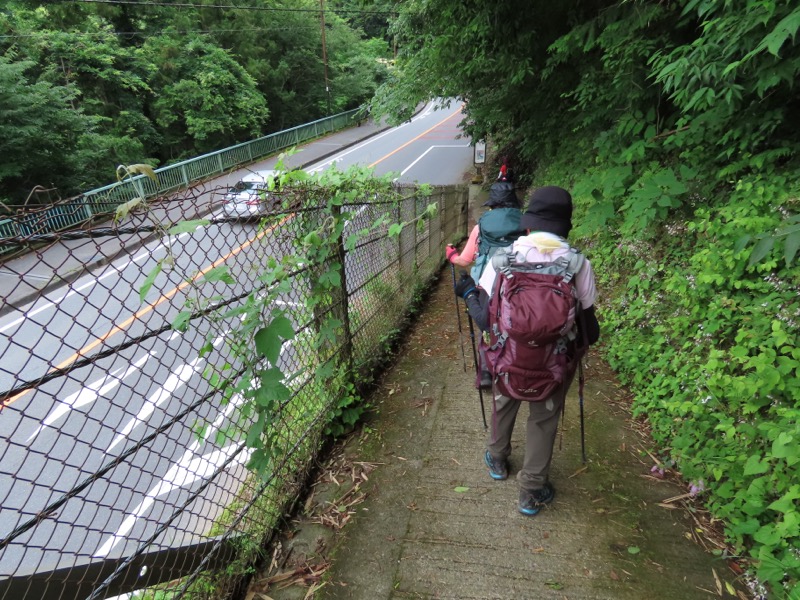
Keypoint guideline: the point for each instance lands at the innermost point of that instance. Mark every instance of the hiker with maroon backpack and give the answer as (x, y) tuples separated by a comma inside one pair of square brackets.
[(535, 305)]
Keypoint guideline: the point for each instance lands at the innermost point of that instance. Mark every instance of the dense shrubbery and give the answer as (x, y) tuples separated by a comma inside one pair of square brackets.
[(709, 345), (85, 87), (673, 123)]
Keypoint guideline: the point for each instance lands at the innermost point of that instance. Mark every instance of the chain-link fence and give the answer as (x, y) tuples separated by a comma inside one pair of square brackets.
[(128, 431)]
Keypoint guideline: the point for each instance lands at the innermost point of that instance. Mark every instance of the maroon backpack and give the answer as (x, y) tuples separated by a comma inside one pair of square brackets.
[(532, 315)]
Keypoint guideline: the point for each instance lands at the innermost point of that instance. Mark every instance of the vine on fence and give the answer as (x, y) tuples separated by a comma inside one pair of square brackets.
[(257, 329)]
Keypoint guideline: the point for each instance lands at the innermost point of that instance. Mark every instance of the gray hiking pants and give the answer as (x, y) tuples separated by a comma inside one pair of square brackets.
[(540, 434)]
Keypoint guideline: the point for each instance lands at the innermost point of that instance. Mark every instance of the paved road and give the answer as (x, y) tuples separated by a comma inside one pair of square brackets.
[(61, 431)]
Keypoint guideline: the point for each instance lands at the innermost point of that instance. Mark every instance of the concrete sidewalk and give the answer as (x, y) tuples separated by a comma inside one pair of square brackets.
[(24, 278), (406, 508)]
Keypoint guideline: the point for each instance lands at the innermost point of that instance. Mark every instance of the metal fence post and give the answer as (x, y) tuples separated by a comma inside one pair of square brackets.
[(341, 298), (414, 231), (87, 212), (137, 185)]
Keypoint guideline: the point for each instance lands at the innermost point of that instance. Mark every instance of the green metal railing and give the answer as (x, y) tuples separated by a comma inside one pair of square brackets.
[(180, 175)]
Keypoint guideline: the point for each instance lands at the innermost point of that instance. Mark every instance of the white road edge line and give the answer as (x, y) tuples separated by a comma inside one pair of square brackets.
[(338, 157), (115, 269), (421, 156)]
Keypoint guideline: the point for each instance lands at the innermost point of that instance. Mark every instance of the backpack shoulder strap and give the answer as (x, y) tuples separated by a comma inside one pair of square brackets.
[(574, 263), (571, 263)]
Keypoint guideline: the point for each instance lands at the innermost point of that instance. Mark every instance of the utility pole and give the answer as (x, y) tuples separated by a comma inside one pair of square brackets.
[(324, 52)]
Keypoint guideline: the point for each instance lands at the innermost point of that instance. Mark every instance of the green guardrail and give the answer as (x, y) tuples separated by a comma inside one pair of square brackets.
[(173, 177)]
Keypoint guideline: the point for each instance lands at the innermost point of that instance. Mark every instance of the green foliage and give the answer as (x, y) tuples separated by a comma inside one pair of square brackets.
[(372, 17), (321, 392), (705, 333), (720, 386), (269, 339), (126, 171), (354, 66), (347, 411), (37, 115), (187, 227), (81, 97), (788, 234), (204, 99), (149, 280)]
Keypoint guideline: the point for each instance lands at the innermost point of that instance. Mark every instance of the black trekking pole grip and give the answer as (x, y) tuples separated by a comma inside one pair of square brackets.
[(458, 316), (477, 369)]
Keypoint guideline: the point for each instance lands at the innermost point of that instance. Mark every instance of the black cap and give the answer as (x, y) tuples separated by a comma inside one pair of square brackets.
[(549, 209), (502, 195)]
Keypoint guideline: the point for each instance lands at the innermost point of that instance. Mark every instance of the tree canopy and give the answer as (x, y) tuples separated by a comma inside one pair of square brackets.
[(88, 86)]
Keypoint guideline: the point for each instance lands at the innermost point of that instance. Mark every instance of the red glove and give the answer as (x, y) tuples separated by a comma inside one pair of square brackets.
[(450, 252)]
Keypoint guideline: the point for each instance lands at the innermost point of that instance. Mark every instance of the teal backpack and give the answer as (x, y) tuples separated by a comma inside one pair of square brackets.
[(498, 229)]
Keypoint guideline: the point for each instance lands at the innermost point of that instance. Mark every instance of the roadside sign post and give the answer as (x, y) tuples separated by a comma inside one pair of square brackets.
[(479, 160)]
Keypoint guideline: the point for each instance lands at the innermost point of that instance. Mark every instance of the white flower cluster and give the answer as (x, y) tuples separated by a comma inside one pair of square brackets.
[(676, 228)]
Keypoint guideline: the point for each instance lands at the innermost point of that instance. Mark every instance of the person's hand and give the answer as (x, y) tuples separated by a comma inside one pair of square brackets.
[(450, 252), (465, 285)]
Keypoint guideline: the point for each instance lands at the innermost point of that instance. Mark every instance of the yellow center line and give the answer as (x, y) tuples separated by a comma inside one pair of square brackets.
[(411, 141), (164, 297), (143, 311)]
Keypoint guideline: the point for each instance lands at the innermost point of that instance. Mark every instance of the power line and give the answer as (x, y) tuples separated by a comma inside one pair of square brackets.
[(233, 7), (154, 33)]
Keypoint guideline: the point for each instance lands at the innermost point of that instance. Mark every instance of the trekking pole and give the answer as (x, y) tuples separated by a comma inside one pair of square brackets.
[(581, 380), (477, 370), (458, 316), (580, 403)]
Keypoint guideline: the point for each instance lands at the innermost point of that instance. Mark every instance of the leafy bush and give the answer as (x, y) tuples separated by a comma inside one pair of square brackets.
[(709, 344)]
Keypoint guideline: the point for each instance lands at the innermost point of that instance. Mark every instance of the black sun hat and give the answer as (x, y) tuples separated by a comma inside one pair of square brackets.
[(502, 195), (549, 209)]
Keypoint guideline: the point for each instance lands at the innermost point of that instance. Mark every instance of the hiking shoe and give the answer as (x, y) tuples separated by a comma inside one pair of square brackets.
[(498, 469), (532, 501), (486, 380)]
